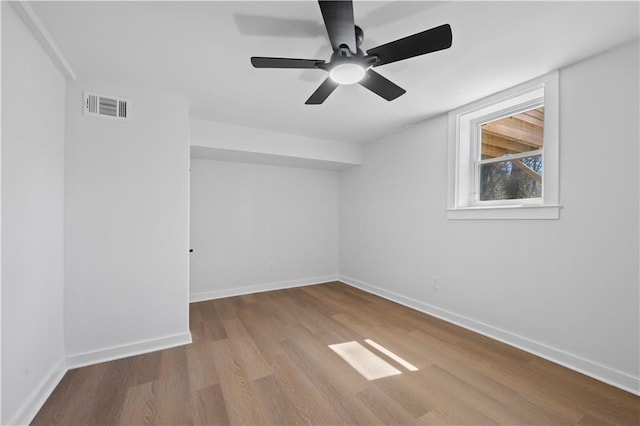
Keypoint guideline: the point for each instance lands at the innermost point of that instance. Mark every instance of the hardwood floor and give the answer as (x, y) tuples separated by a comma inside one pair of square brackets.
[(264, 359)]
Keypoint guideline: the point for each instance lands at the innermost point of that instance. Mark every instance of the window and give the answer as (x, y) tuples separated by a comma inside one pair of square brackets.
[(503, 154), (508, 165)]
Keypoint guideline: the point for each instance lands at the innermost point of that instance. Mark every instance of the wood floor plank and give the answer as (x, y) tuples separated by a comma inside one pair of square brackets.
[(483, 402), (445, 401), (274, 319), (239, 401), (451, 416), (320, 361), (303, 392), (591, 420), (200, 366), (338, 390), (246, 351), (172, 401), (311, 316), (387, 336), (226, 308), (456, 366), (195, 316), (263, 327), (490, 365), (412, 394), (139, 405), (115, 382), (264, 359), (512, 374), (275, 403), (535, 414), (586, 393), (249, 298), (78, 388), (212, 321), (209, 407), (386, 409)]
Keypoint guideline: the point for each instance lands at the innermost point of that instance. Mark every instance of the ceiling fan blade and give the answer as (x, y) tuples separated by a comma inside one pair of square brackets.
[(326, 88), (428, 41), (264, 62), (338, 18), (381, 86)]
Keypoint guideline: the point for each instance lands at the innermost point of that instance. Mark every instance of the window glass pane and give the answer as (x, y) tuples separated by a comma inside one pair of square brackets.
[(511, 179), (513, 135)]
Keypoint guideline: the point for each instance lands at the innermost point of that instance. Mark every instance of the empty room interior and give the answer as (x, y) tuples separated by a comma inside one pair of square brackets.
[(320, 212)]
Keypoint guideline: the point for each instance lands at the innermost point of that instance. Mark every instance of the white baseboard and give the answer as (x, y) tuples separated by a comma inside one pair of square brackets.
[(592, 369), (34, 403), (259, 288), (131, 349), (36, 400)]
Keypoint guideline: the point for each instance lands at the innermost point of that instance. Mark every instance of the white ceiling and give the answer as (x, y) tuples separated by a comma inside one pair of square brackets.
[(202, 49)]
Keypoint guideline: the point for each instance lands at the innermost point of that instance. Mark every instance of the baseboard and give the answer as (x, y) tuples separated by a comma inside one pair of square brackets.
[(36, 400), (132, 349), (34, 403), (592, 369), (259, 288)]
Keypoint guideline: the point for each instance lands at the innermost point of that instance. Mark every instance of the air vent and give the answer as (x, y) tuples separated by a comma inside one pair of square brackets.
[(97, 104)]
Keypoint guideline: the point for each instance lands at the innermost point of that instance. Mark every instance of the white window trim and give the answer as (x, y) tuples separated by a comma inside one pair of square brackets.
[(463, 121)]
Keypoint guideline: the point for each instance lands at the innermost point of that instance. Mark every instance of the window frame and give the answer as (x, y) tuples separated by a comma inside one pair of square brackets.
[(465, 140)]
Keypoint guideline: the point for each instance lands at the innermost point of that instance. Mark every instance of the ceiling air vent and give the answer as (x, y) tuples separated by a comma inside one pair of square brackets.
[(97, 104)]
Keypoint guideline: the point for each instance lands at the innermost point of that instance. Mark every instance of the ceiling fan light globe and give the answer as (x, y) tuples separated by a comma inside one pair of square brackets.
[(347, 73)]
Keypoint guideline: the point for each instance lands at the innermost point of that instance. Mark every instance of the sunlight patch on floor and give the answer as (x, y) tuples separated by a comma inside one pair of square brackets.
[(391, 355), (364, 361)]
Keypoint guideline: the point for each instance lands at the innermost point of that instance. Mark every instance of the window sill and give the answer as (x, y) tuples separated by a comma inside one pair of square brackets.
[(536, 212)]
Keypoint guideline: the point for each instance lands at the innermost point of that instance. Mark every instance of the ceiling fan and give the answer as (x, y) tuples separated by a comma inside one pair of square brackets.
[(349, 64)]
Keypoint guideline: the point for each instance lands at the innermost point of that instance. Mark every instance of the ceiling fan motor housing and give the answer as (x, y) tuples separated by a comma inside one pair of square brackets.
[(349, 64)]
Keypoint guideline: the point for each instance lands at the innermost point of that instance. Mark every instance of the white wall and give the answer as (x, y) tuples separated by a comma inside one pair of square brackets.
[(126, 225), (217, 141), (567, 289), (257, 227), (33, 92)]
